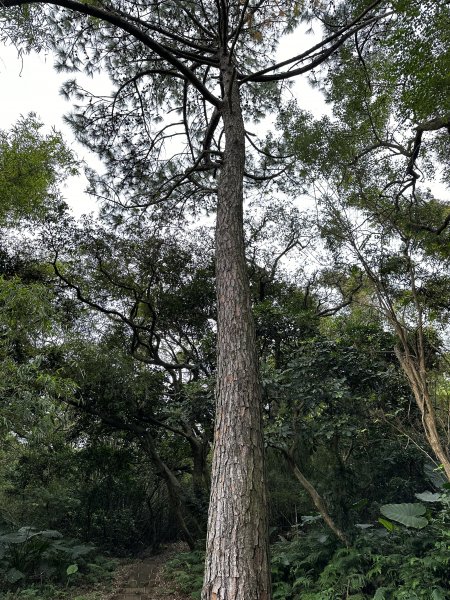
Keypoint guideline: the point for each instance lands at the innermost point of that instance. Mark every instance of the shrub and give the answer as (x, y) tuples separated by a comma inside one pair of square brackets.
[(397, 562), (30, 556), (186, 569)]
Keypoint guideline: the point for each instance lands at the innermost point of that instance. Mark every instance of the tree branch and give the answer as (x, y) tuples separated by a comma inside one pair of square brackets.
[(117, 21), (433, 125), (341, 36)]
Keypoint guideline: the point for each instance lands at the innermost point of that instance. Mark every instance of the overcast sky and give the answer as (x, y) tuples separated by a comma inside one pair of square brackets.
[(32, 85)]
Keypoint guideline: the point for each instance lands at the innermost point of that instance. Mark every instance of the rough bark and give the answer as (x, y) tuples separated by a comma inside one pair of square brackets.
[(237, 564)]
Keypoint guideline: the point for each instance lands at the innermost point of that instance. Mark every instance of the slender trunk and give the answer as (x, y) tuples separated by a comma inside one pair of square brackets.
[(339, 487), (173, 488), (237, 557), (317, 499), (419, 386), (413, 364), (200, 475)]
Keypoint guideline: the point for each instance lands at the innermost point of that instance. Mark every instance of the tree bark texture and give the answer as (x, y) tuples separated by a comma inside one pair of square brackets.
[(237, 557)]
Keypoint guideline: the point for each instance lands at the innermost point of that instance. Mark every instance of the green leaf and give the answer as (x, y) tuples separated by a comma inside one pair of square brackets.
[(435, 476), (81, 550), (51, 533), (429, 497), (71, 569), (409, 515), (14, 575), (27, 530), (380, 594), (387, 524), (360, 504), (14, 538)]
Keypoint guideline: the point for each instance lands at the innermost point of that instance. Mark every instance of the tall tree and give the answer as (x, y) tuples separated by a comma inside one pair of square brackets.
[(32, 167), (211, 63), (372, 167)]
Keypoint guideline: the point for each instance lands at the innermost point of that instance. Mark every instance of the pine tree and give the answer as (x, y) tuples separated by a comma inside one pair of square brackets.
[(210, 63)]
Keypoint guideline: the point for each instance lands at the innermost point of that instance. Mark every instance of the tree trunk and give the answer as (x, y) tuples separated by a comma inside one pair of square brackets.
[(173, 488), (237, 556), (419, 385), (317, 499), (200, 476)]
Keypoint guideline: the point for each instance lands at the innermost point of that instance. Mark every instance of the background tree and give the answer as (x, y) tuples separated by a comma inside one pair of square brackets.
[(215, 75), (370, 169), (333, 396), (33, 166)]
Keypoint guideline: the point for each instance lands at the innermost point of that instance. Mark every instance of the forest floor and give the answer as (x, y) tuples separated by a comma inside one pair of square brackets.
[(145, 579)]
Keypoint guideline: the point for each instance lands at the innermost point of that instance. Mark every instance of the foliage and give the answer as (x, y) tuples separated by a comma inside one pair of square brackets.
[(31, 556), (402, 563), (108, 370), (395, 564), (186, 569), (32, 166), (332, 406), (410, 515)]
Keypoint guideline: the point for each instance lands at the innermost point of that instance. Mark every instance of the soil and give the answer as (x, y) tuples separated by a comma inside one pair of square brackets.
[(145, 579)]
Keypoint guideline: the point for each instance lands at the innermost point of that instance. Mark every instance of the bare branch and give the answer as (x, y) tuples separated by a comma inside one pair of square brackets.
[(433, 125), (341, 36)]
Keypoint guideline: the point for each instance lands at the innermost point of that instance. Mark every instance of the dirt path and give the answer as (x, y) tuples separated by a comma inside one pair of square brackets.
[(145, 579)]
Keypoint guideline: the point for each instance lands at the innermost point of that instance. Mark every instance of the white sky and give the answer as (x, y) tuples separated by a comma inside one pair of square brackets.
[(32, 85)]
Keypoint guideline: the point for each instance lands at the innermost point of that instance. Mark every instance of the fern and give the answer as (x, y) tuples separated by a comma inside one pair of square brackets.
[(402, 565)]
